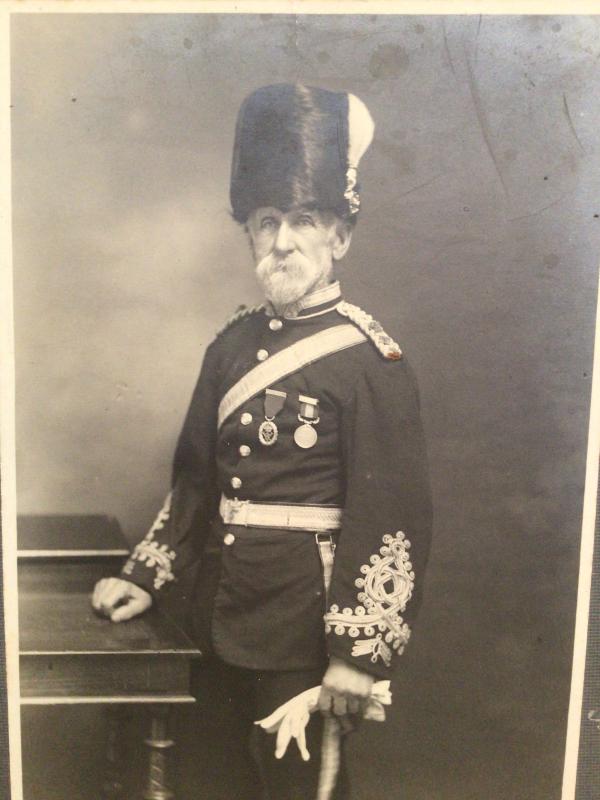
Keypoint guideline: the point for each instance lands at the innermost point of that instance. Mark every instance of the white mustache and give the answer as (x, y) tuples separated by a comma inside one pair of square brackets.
[(284, 279), (271, 264)]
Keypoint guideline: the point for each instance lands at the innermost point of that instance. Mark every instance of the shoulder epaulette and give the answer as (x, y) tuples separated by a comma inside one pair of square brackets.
[(241, 313), (384, 343)]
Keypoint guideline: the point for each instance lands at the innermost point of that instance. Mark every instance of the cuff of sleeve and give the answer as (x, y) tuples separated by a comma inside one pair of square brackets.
[(142, 576), (376, 668)]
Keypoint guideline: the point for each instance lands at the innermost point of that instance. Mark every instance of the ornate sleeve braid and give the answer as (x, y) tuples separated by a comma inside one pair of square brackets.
[(149, 551), (385, 590)]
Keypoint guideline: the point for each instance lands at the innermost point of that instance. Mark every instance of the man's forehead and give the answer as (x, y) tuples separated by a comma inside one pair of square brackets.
[(324, 215)]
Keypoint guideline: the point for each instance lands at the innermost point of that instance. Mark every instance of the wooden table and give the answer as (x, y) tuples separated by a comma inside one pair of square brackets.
[(69, 654)]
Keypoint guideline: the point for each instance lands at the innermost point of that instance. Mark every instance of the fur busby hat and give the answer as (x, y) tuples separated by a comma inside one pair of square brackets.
[(298, 145)]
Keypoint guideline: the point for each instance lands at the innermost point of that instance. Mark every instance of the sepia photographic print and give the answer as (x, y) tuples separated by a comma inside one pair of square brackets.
[(299, 452)]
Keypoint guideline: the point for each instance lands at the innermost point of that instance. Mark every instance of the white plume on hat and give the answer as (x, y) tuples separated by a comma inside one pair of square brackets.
[(360, 135), (360, 130)]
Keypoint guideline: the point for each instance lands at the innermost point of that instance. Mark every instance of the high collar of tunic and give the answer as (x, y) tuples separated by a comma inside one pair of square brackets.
[(315, 303)]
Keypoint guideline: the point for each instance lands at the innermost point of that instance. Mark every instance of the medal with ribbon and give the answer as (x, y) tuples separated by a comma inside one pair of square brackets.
[(306, 436), (267, 430)]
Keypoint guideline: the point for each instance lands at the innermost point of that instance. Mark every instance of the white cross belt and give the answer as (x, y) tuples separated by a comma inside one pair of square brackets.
[(287, 361)]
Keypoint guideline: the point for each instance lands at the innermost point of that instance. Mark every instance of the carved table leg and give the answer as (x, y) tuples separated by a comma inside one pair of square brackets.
[(112, 785), (159, 744)]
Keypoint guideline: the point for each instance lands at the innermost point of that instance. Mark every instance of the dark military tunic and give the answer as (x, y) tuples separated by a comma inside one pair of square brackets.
[(260, 600)]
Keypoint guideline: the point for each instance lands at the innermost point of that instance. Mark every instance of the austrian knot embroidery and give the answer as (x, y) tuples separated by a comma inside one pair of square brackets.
[(386, 588), (154, 555)]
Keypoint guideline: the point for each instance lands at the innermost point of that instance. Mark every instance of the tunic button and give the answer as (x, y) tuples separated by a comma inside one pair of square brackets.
[(245, 450), (276, 324), (236, 482), (262, 355), (246, 418), (228, 539)]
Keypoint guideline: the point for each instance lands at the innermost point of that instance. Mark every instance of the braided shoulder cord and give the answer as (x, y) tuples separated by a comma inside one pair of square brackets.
[(373, 329), (241, 313)]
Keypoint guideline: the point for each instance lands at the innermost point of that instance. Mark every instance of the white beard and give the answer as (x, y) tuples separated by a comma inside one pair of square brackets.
[(286, 281)]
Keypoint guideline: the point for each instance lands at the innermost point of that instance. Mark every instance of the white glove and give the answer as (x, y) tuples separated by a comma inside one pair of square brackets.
[(290, 719)]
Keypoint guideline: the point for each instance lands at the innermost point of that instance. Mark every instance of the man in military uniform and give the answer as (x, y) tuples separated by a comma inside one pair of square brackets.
[(299, 482)]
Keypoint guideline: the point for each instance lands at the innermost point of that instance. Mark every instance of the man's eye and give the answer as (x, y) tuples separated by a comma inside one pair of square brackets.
[(267, 224), (305, 220)]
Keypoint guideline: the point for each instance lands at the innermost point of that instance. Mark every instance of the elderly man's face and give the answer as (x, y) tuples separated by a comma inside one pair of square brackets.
[(294, 251)]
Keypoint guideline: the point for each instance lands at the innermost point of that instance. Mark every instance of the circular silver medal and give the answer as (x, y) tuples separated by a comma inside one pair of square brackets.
[(305, 436), (267, 432)]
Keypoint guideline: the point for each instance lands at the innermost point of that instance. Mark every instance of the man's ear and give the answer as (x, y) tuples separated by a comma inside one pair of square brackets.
[(341, 242)]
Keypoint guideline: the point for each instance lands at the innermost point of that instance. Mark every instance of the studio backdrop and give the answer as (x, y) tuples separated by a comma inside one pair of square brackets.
[(477, 248)]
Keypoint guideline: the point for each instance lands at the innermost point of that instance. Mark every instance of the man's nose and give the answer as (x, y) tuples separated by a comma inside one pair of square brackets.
[(284, 241)]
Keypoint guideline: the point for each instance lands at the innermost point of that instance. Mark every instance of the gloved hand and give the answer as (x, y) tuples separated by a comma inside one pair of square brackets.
[(289, 721)]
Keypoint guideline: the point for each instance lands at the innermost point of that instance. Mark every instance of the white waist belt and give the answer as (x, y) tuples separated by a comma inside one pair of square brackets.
[(274, 515)]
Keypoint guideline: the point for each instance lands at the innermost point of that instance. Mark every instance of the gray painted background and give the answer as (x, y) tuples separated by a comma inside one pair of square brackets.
[(478, 248)]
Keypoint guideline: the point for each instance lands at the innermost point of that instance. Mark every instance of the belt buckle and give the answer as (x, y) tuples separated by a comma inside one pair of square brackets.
[(233, 509)]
